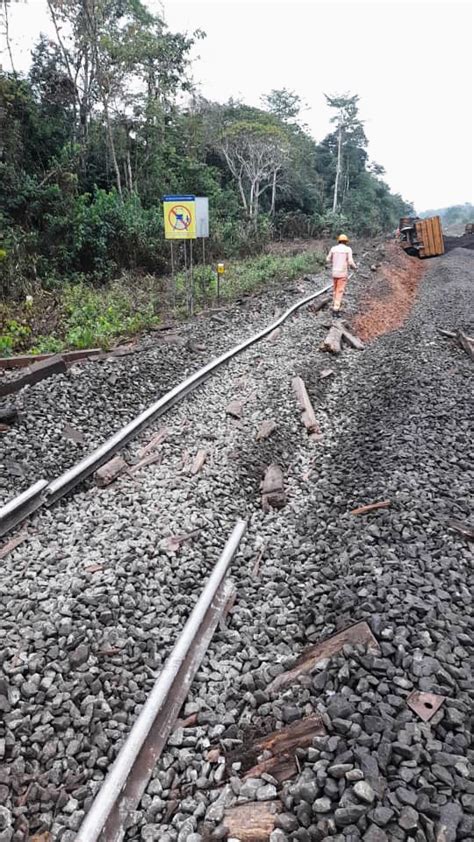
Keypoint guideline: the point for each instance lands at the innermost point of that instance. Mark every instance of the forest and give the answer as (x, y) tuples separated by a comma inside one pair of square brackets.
[(107, 121)]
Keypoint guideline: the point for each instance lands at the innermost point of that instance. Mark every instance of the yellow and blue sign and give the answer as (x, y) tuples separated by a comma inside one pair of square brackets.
[(180, 217)]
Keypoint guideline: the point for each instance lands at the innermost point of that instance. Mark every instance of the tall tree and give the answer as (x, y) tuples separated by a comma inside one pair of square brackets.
[(255, 154), (284, 104), (349, 130)]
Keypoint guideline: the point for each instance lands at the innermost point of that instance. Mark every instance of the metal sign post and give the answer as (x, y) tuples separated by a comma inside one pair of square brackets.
[(186, 218), (191, 280), (202, 222), (220, 272)]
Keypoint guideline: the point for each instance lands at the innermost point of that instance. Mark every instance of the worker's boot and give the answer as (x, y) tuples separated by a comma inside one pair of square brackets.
[(336, 314)]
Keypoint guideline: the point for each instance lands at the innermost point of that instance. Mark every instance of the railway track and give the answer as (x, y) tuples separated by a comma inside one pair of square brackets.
[(47, 493), (127, 779), (304, 720)]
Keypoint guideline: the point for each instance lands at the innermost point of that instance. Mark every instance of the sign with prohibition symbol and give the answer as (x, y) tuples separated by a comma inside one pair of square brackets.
[(179, 217)]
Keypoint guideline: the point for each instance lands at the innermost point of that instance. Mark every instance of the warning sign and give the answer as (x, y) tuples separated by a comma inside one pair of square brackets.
[(179, 217)]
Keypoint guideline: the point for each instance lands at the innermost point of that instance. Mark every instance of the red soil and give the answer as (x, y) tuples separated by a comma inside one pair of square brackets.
[(388, 301)]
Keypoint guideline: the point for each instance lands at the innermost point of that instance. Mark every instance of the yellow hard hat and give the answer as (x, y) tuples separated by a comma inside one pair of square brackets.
[(342, 238)]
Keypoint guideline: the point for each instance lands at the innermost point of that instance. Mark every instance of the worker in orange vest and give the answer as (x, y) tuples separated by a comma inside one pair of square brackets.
[(340, 258)]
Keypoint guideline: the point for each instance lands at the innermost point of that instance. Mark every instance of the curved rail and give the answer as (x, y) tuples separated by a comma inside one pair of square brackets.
[(127, 779), (14, 511)]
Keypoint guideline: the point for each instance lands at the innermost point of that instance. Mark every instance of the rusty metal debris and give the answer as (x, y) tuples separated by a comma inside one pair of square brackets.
[(424, 704)]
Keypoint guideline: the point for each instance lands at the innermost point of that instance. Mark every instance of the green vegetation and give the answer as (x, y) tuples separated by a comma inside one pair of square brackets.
[(93, 136), (88, 317), (454, 215)]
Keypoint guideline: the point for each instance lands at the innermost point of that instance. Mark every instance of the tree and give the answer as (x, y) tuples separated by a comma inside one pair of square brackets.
[(284, 104), (255, 154), (6, 32), (121, 59), (349, 132)]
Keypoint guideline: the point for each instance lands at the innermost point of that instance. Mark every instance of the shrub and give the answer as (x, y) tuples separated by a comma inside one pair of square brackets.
[(94, 318)]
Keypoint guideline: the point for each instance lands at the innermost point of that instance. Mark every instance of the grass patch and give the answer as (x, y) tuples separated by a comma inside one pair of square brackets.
[(81, 316), (244, 277)]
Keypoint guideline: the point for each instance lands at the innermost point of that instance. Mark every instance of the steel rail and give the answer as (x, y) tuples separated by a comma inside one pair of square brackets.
[(20, 507), (127, 778), (59, 487)]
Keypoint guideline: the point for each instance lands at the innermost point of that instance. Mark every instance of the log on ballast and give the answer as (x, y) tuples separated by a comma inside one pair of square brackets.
[(282, 746), (352, 340), (110, 471), (36, 372), (465, 344), (252, 822), (275, 334), (307, 412), (235, 409), (198, 462), (265, 430), (319, 304), (332, 343), (272, 488)]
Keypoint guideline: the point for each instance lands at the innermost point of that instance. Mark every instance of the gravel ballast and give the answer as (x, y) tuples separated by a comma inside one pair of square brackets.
[(95, 598)]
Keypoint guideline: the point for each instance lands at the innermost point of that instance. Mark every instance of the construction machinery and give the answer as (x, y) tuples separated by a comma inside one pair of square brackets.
[(422, 237)]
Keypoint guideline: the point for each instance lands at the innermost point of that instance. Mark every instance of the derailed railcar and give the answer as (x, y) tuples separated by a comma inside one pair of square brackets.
[(423, 237)]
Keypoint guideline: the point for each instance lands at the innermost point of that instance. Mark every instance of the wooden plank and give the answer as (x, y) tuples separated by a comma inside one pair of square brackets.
[(110, 471), (359, 633), (436, 235), (362, 510), (73, 434), (307, 412), (332, 343), (252, 822), (155, 441), (283, 744), (12, 544), (38, 371), (431, 235), (282, 767), (465, 529), (318, 304), (419, 237), (235, 409), (297, 734), (265, 430), (439, 235), (151, 459), (25, 360), (275, 334), (354, 341), (465, 344), (198, 462), (426, 238), (272, 488)]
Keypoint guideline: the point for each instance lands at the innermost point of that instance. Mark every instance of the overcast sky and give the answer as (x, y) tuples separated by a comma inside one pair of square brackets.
[(410, 61)]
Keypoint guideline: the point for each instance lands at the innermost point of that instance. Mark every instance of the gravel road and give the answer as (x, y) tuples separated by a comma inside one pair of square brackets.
[(94, 598)]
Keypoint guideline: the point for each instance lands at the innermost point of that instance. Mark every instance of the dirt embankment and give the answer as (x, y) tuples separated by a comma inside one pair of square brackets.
[(389, 295)]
